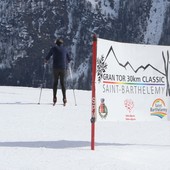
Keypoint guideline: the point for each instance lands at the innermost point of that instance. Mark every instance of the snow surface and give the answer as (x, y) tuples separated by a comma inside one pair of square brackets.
[(46, 137), (105, 7), (155, 22)]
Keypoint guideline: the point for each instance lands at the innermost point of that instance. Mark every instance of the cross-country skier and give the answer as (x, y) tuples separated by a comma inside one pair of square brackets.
[(61, 59)]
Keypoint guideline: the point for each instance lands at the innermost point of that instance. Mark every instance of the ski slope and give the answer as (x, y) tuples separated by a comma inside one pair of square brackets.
[(46, 137)]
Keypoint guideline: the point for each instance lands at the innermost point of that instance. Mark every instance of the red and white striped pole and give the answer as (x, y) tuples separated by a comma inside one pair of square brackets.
[(93, 115)]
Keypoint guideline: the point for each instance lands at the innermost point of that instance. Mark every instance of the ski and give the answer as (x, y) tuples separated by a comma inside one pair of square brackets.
[(63, 104)]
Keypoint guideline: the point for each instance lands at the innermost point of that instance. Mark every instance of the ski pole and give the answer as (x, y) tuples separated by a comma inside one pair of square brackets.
[(42, 82), (73, 86)]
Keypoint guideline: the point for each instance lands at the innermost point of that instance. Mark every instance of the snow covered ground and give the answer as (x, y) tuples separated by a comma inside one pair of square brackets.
[(46, 137)]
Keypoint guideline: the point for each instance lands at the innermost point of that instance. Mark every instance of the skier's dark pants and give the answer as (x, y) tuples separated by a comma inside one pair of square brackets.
[(59, 74)]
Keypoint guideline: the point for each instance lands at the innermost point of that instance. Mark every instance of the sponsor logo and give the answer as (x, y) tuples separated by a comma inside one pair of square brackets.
[(103, 111), (158, 108), (129, 105)]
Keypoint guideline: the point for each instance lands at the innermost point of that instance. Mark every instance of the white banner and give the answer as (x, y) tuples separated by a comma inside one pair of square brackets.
[(132, 81)]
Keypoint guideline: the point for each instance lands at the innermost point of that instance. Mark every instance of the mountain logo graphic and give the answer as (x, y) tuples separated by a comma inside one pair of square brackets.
[(102, 66)]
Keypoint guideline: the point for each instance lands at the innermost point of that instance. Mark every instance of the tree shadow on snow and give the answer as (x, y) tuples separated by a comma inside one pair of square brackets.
[(61, 144)]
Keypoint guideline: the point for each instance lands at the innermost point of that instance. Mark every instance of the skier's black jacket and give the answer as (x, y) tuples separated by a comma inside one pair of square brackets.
[(60, 57)]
